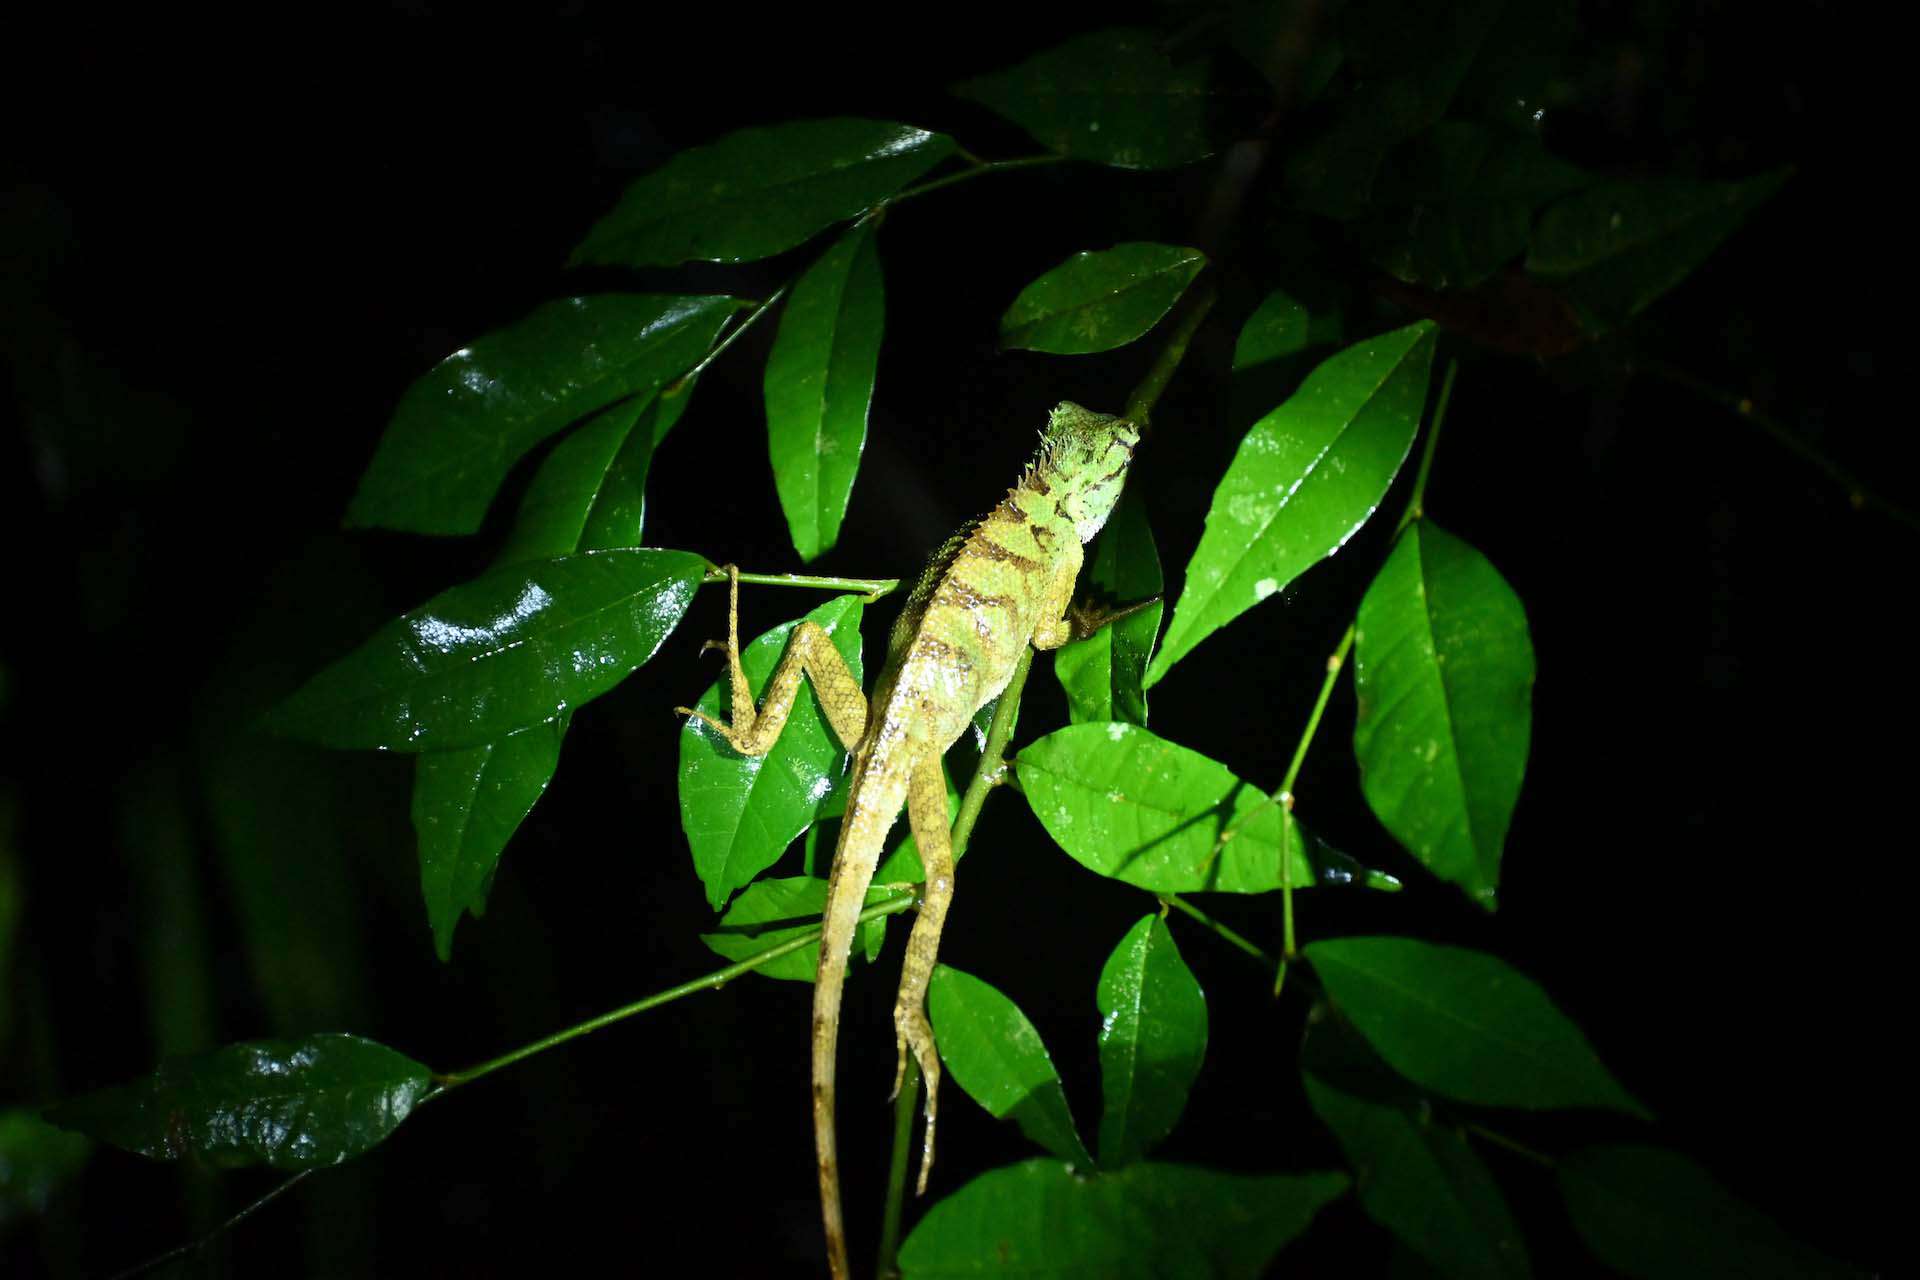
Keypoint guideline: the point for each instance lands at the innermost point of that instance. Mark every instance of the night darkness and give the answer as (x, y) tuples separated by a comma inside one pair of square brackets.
[(218, 272)]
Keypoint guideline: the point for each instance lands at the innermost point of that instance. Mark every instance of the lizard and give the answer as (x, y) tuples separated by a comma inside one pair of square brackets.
[(1002, 582)]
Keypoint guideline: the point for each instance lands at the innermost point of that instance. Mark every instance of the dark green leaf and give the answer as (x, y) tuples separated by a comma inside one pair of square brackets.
[(1443, 671), (1136, 807), (1655, 1215), (759, 192), (513, 648), (461, 427), (1098, 301), (1615, 248), (1287, 42), (1153, 1037), (36, 1161), (771, 911), (819, 383), (466, 806), (1464, 1024), (1101, 674), (1111, 97), (994, 1053), (1304, 479), (741, 812), (1282, 326), (1038, 1219), (291, 1104), (1416, 1176)]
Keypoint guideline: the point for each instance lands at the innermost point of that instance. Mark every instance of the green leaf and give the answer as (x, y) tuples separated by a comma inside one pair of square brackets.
[(460, 428), (1099, 301), (994, 1053), (741, 812), (1615, 248), (1443, 672), (1038, 1219), (1303, 481), (1101, 674), (291, 1104), (1282, 326), (1153, 1037), (516, 646), (1464, 1024), (1654, 1214), (771, 911), (1417, 1177), (37, 1160), (1111, 97), (466, 806), (819, 384), (1127, 804), (759, 192)]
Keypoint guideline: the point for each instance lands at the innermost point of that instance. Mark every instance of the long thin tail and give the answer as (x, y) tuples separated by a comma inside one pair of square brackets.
[(836, 941)]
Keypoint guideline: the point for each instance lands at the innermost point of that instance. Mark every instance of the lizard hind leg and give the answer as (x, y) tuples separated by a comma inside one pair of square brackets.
[(927, 813)]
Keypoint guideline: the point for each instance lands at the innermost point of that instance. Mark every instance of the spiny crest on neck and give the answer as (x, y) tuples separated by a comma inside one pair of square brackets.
[(1082, 462)]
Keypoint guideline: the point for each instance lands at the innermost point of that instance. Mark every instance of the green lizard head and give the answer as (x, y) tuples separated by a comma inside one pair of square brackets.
[(1084, 457)]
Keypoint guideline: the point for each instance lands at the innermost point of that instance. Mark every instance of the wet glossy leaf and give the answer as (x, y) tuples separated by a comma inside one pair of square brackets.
[(1136, 807), (515, 647), (771, 911), (36, 1161), (1282, 326), (1101, 674), (1098, 301), (741, 812), (1153, 1037), (1655, 1215), (460, 428), (1417, 1176), (1144, 1222), (994, 1053), (759, 192), (1615, 248), (1464, 1024), (1443, 671), (1304, 479), (466, 806), (291, 1104), (1111, 97), (819, 383)]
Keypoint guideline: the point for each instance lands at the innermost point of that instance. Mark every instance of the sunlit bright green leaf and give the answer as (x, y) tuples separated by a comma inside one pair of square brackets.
[(1615, 248), (1655, 1215), (516, 646), (460, 428), (1153, 1037), (1098, 301), (819, 383), (771, 911), (1464, 1024), (741, 812), (466, 806), (1443, 672), (994, 1053), (1101, 674), (1417, 1176), (1304, 479), (1136, 807), (1038, 1219), (760, 191), (1111, 97), (291, 1104)]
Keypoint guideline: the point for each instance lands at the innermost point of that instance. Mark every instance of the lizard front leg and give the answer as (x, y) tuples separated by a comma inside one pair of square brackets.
[(1056, 627), (810, 652), (927, 813)]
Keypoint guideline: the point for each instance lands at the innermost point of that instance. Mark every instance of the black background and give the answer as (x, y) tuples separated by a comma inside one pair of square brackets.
[(227, 254)]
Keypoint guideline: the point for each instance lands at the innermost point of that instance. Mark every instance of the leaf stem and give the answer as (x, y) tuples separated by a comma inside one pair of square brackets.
[(871, 588), (1505, 1143), (981, 168), (711, 982), (733, 334), (194, 1246), (1417, 500), (1147, 394), (1227, 935), (904, 1106)]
